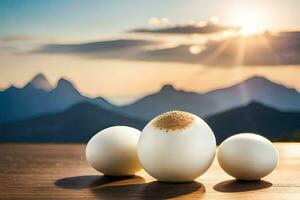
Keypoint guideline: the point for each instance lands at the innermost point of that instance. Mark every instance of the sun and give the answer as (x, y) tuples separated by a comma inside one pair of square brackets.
[(250, 19), (250, 28)]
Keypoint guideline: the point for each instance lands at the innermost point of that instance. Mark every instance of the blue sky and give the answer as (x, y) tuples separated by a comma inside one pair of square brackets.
[(78, 18), (75, 17)]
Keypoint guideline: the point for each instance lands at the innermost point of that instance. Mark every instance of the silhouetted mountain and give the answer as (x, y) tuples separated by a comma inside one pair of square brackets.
[(40, 82), (76, 124), (226, 110), (257, 89), (80, 122), (35, 99), (257, 118), (188, 29), (18, 104), (168, 98)]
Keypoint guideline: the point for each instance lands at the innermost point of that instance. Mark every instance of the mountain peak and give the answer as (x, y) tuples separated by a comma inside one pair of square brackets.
[(258, 78), (65, 85), (167, 88), (40, 81), (260, 81)]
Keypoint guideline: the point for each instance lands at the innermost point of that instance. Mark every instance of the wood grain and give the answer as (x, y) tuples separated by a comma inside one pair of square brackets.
[(59, 171)]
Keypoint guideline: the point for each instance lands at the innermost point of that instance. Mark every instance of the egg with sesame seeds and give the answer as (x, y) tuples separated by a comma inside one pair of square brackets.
[(176, 146)]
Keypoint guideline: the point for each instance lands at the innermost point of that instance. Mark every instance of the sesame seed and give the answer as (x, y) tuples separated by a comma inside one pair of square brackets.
[(174, 120)]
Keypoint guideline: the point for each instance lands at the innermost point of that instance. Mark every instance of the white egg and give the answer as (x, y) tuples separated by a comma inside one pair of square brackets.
[(247, 156), (113, 151), (176, 147)]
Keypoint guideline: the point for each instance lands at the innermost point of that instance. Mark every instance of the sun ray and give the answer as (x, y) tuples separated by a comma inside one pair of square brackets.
[(264, 40), (210, 58)]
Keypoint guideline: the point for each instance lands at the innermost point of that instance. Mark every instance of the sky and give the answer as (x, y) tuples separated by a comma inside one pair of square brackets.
[(27, 27), (78, 18)]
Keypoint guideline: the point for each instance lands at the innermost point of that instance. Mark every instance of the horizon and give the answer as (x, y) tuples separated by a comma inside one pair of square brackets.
[(124, 102)]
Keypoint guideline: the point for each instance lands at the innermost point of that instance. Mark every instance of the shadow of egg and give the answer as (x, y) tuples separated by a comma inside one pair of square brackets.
[(83, 182), (152, 190), (241, 186)]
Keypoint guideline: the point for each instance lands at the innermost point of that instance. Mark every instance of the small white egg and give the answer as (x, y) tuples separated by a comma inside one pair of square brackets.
[(247, 156), (176, 146), (113, 151)]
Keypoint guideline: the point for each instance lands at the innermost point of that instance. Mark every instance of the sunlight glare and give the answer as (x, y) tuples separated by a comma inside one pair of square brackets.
[(250, 20), (249, 28), (196, 49)]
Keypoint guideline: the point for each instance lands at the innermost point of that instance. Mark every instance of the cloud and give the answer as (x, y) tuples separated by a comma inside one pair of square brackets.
[(196, 49), (118, 49), (30, 43), (179, 53), (27, 38), (214, 19), (16, 38), (191, 28), (155, 21), (25, 43), (265, 49), (164, 20), (94, 47)]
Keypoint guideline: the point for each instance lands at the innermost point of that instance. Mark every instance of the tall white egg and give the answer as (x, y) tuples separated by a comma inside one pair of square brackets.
[(247, 156), (113, 151), (176, 146)]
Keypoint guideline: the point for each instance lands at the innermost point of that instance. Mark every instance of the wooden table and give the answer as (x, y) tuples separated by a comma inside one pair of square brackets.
[(59, 171)]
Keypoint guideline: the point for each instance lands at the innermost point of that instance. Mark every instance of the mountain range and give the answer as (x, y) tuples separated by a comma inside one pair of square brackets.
[(256, 118), (257, 89), (81, 121), (42, 112), (76, 124), (39, 97)]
